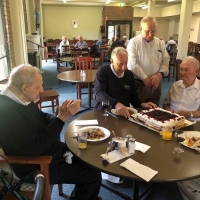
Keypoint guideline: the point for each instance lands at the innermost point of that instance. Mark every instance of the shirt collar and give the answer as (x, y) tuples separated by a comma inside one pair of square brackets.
[(9, 94), (194, 85), (111, 66)]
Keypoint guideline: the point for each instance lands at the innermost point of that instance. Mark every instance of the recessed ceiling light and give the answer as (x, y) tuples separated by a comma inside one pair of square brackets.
[(108, 1)]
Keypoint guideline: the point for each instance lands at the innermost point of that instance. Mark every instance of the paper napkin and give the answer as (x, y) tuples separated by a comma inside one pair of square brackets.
[(115, 155), (141, 147), (140, 170), (86, 122)]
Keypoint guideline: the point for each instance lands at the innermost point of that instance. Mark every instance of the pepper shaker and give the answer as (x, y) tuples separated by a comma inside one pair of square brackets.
[(127, 140)]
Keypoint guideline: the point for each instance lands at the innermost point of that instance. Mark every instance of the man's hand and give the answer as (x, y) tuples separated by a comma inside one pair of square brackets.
[(148, 105), (155, 80), (68, 109), (122, 110), (147, 82), (184, 113)]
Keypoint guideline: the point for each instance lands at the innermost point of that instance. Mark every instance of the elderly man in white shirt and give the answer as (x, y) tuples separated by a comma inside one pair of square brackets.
[(126, 41), (63, 43), (148, 60), (184, 95), (184, 98)]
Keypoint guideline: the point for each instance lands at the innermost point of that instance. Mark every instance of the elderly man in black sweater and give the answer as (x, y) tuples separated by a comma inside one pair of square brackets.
[(25, 130), (116, 84)]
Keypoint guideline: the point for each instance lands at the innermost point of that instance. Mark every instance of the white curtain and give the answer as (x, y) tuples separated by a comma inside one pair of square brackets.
[(3, 61)]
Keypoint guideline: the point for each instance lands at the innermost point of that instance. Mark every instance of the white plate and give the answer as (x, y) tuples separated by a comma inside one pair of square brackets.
[(196, 135), (128, 108), (106, 132)]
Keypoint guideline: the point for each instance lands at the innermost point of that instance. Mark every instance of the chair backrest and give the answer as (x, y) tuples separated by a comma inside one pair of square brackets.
[(83, 63), (178, 63), (76, 52), (59, 68), (172, 56), (197, 49), (171, 47)]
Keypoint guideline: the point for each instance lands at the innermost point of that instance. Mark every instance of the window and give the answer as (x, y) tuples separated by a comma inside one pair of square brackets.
[(3, 49)]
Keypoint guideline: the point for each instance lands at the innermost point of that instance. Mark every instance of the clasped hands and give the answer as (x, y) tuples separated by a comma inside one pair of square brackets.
[(68, 108), (153, 81)]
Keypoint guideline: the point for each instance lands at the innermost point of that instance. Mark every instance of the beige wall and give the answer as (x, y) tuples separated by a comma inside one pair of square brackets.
[(57, 21), (194, 29)]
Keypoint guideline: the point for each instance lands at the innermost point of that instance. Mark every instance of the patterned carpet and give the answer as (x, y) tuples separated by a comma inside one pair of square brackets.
[(161, 191)]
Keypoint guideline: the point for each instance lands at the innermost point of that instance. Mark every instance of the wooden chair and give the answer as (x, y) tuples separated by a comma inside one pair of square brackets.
[(171, 47), (83, 63), (42, 161), (197, 50), (190, 48), (62, 68), (50, 51), (48, 95), (172, 63), (178, 62)]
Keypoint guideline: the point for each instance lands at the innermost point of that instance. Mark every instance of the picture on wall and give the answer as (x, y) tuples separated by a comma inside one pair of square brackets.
[(74, 24)]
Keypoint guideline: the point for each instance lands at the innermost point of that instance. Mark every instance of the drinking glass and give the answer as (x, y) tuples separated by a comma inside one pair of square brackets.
[(82, 140), (105, 105), (180, 137)]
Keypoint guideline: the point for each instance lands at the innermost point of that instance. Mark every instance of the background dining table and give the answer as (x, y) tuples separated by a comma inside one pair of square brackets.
[(74, 76), (171, 167)]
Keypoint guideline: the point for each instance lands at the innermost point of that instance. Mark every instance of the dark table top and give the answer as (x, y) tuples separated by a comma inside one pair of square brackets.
[(160, 157)]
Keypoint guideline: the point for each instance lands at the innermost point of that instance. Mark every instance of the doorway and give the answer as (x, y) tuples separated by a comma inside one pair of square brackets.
[(118, 28)]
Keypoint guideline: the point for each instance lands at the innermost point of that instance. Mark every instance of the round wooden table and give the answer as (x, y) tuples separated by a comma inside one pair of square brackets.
[(74, 76), (160, 157)]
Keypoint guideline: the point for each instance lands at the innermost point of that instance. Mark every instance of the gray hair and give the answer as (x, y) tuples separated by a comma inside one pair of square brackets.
[(23, 74), (148, 19), (117, 50), (194, 60)]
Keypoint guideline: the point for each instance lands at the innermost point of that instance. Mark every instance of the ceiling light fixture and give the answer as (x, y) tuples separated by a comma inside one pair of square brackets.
[(108, 1), (64, 1), (171, 0)]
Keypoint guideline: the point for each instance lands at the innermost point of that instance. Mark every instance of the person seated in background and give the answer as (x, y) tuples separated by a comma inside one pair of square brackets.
[(117, 43), (184, 95), (125, 40), (64, 42), (27, 131), (171, 41), (107, 55), (101, 48), (111, 41), (81, 44), (116, 84)]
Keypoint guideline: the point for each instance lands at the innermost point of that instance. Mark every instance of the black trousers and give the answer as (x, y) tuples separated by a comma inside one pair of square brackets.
[(87, 180)]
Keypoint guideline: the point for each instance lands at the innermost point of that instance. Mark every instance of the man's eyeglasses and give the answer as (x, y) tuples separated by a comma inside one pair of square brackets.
[(148, 32)]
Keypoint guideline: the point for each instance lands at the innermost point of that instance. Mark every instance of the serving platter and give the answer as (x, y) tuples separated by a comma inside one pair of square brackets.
[(131, 110)]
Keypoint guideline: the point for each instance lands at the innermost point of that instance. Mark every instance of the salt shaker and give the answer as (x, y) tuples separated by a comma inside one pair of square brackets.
[(127, 139), (131, 146)]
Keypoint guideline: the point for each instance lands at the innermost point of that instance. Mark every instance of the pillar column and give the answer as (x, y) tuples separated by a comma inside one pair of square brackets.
[(184, 28), (198, 33), (151, 8)]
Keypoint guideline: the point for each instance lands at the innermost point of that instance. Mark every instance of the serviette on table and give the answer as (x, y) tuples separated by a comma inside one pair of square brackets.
[(140, 170), (141, 147), (86, 122), (115, 155)]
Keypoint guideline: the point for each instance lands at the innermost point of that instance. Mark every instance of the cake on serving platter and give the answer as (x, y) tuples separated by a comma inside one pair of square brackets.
[(158, 119)]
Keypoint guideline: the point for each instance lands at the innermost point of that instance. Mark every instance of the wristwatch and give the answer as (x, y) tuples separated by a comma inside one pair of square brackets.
[(162, 73), (191, 115)]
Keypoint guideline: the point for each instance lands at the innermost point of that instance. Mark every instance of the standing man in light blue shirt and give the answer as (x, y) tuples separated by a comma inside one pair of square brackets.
[(148, 60)]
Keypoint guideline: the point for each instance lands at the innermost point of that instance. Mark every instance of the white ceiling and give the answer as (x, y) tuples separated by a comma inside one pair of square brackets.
[(134, 3)]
